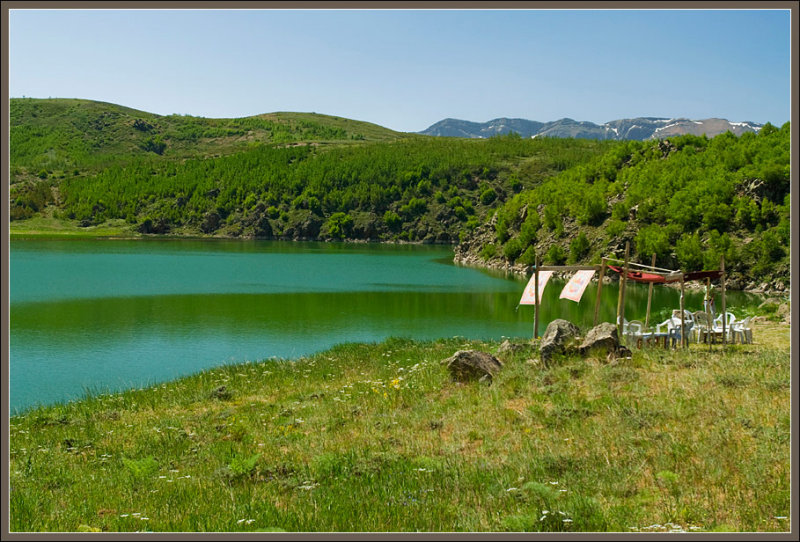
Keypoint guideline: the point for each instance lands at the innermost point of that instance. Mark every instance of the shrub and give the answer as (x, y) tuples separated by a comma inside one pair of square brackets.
[(528, 257), (512, 249), (689, 252), (488, 196), (555, 255), (154, 144), (414, 207), (488, 251), (615, 227), (392, 220), (578, 248), (339, 225)]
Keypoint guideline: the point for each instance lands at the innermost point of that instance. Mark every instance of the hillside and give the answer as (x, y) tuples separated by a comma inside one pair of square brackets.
[(63, 135), (282, 175), (639, 129), (687, 199), (85, 166)]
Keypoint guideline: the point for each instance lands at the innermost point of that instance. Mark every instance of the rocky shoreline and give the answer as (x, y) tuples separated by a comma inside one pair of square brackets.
[(463, 256)]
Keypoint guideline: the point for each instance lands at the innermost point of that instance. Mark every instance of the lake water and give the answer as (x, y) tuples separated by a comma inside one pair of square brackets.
[(106, 315)]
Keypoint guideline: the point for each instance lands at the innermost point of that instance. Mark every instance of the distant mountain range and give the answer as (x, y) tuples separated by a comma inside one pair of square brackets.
[(640, 128)]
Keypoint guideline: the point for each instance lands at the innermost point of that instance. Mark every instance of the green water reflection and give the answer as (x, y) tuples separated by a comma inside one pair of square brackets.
[(114, 315)]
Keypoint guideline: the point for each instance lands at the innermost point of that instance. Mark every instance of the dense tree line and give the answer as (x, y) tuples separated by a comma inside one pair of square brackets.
[(688, 200), (268, 190)]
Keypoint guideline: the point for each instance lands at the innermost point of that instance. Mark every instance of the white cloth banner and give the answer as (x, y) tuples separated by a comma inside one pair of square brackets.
[(574, 289), (528, 296)]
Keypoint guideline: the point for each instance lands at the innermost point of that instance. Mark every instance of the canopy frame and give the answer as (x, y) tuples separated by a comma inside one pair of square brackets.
[(658, 275)]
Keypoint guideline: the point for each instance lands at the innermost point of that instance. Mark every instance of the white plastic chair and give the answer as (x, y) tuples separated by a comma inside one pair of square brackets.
[(730, 319), (637, 334), (670, 329), (742, 329), (663, 331), (701, 326)]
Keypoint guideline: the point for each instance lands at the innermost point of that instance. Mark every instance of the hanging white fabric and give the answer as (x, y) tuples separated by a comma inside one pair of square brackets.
[(574, 289), (528, 296)]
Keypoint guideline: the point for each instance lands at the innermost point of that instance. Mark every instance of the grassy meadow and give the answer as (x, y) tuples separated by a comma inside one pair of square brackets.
[(376, 437)]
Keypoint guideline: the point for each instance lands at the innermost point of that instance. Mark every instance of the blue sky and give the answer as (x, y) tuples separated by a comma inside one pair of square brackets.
[(407, 69)]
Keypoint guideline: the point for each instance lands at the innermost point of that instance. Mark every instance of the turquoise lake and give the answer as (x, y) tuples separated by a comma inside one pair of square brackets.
[(106, 315)]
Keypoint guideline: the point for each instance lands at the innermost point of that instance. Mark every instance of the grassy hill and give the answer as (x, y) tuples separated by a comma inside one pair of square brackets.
[(60, 135), (375, 437)]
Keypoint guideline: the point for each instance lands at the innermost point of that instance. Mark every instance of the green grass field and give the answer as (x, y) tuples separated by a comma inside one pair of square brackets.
[(376, 437)]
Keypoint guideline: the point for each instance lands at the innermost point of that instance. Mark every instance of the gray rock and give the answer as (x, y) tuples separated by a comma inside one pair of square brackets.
[(509, 348), (468, 365), (559, 338), (601, 338)]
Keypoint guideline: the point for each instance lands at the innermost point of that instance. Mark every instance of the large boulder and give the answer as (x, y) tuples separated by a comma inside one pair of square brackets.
[(601, 339), (559, 338), (467, 365)]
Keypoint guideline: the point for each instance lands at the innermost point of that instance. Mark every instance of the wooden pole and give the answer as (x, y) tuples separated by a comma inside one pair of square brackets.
[(536, 297), (724, 314), (599, 289), (621, 298), (683, 321), (710, 334), (649, 298)]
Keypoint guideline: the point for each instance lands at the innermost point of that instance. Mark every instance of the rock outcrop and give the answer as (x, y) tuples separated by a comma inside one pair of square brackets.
[(470, 365), (559, 338), (602, 337)]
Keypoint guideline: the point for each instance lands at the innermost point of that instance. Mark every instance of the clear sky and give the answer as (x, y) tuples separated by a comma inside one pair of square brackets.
[(407, 69)]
